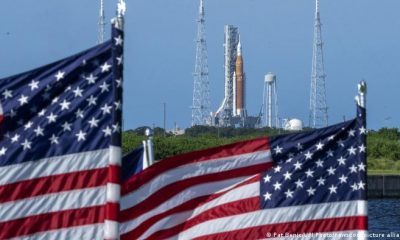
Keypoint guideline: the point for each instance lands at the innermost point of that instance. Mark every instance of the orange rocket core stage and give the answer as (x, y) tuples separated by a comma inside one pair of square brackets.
[(239, 83)]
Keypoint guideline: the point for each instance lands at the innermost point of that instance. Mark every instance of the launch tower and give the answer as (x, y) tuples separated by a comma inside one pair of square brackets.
[(318, 106), (102, 23), (225, 111), (201, 87)]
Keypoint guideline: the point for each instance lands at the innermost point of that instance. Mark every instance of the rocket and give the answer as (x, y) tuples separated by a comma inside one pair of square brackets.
[(239, 79)]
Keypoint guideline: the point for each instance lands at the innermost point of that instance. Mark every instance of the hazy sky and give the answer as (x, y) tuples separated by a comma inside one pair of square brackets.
[(362, 40)]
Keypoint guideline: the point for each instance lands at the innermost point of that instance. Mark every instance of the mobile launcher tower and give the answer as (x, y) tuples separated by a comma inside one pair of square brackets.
[(232, 111)]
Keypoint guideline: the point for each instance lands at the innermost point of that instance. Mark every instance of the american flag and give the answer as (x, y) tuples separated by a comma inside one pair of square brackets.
[(60, 146), (309, 185)]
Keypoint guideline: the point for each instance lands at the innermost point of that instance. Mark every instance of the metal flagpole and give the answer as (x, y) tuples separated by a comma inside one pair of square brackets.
[(113, 192), (149, 152)]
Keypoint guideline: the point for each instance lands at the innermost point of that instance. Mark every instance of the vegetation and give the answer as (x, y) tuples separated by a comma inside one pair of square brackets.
[(383, 145)]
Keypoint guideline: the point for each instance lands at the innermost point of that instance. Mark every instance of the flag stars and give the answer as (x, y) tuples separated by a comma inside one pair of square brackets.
[(7, 94), (299, 147), (297, 165), (319, 146), (60, 75), (92, 100), (51, 118), (267, 196), (343, 179), (311, 191), (331, 171), (352, 150), (104, 87), (361, 185), (91, 79), (299, 183), (352, 133), (67, 127), (362, 148), (34, 85), (308, 155), (118, 40), (354, 187), (54, 139), (65, 105), (26, 144), (267, 178), (116, 128), (106, 109), (342, 161), (15, 138), (119, 82), (332, 189), (353, 168), (23, 100), (363, 130), (79, 113), (28, 125), (289, 194), (309, 173), (319, 163), (278, 150), (340, 143), (321, 181), (105, 67), (81, 136), (329, 153), (119, 60), (277, 169), (107, 131), (361, 167), (39, 131), (3, 151), (78, 92), (93, 122), (287, 175), (118, 105), (277, 185)]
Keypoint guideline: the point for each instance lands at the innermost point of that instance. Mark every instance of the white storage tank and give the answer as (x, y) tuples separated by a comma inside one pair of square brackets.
[(293, 124)]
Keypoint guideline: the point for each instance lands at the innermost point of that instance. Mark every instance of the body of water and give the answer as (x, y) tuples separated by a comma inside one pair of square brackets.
[(384, 216)]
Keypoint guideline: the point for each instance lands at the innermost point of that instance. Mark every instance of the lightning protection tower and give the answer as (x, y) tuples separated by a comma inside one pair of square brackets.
[(318, 106), (102, 23), (201, 86), (270, 102)]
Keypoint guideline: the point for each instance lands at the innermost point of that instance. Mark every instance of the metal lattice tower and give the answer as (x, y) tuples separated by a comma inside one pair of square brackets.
[(201, 87), (318, 106), (102, 23)]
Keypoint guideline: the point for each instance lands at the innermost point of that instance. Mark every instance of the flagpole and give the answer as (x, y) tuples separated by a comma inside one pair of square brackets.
[(113, 195), (149, 146)]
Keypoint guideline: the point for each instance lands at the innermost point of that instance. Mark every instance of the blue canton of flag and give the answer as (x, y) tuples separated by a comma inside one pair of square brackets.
[(60, 146), (321, 166)]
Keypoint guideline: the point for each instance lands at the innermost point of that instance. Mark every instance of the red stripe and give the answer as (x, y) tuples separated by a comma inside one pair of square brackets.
[(189, 205), (112, 210), (193, 157), (310, 226), (169, 191), (53, 184), (51, 221), (114, 174)]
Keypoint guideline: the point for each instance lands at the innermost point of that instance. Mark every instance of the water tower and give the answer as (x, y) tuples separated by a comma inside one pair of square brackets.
[(270, 102)]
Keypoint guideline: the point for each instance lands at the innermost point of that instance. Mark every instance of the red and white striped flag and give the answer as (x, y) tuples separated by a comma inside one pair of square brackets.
[(253, 190)]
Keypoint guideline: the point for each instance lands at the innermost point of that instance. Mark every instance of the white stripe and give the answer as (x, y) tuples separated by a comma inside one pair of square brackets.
[(115, 156), (274, 216), (52, 203), (344, 235), (84, 232), (111, 230), (54, 165), (182, 197), (217, 165), (243, 192), (113, 192)]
